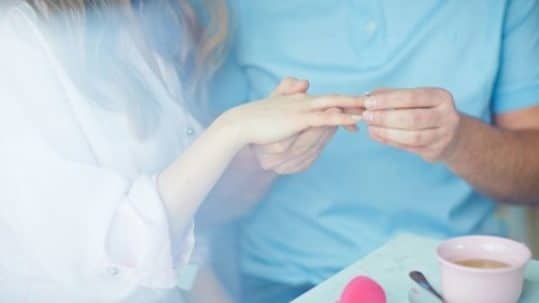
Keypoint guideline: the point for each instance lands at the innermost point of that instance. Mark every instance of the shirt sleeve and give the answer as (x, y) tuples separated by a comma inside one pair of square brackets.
[(517, 85), (139, 245), (70, 225)]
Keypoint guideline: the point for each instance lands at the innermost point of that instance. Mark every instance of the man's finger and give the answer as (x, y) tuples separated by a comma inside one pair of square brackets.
[(278, 147), (297, 164), (378, 91), (411, 149), (413, 119), (406, 137), (287, 161), (291, 86), (355, 111), (402, 98), (314, 138), (426, 152)]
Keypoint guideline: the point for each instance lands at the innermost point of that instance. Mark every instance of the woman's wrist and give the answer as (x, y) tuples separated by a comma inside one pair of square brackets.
[(229, 124), (208, 155)]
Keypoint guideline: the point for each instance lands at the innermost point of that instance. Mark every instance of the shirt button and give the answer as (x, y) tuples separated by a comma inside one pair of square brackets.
[(113, 271), (189, 131), (370, 27)]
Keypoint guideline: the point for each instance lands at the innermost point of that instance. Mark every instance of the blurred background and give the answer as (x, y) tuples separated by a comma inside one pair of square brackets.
[(523, 225)]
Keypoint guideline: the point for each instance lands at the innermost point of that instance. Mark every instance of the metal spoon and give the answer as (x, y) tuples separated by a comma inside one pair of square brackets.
[(420, 279)]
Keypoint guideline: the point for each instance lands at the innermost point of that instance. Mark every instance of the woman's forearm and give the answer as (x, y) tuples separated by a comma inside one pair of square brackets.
[(207, 288), (242, 186), (186, 182)]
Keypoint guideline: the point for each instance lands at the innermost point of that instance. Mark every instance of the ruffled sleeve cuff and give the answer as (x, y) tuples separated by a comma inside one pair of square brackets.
[(140, 246)]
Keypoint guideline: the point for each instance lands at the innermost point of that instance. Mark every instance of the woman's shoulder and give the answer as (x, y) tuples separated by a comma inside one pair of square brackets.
[(30, 71), (34, 88)]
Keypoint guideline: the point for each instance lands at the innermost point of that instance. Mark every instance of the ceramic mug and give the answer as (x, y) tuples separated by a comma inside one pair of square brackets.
[(475, 284)]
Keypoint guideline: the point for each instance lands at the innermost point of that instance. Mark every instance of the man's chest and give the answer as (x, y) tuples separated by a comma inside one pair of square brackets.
[(356, 46)]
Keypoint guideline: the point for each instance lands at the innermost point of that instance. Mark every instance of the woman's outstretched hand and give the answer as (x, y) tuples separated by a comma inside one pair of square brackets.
[(296, 153), (279, 117)]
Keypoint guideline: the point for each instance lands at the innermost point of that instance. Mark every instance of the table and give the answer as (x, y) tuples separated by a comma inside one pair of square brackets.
[(390, 266)]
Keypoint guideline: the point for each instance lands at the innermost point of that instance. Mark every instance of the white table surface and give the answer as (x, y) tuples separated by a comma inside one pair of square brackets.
[(390, 266)]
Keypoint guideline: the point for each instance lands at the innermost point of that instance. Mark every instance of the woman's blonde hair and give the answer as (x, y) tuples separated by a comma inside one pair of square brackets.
[(194, 45)]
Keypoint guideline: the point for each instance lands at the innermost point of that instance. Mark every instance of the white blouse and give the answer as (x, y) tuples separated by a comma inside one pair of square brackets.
[(80, 217)]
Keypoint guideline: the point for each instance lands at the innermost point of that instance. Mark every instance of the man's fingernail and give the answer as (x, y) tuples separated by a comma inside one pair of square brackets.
[(357, 117), (370, 102), (368, 116)]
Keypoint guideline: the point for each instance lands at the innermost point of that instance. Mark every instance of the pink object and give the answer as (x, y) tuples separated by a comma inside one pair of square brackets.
[(473, 285), (363, 290)]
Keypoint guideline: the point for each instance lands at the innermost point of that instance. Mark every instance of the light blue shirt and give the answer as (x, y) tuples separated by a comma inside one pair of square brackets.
[(361, 193)]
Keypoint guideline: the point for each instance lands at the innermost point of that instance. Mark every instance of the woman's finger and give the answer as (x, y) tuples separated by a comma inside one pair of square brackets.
[(409, 138), (325, 102), (354, 110), (278, 147), (412, 119), (317, 119), (351, 128)]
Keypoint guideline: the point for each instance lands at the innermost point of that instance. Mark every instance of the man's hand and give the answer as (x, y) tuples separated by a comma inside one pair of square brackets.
[(298, 152), (423, 121), (500, 161)]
